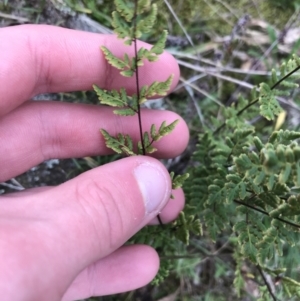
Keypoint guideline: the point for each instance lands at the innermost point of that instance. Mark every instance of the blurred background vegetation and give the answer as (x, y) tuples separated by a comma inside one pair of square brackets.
[(223, 48)]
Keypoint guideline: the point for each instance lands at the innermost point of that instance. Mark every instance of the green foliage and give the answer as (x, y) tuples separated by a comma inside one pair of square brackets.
[(184, 225), (120, 144), (245, 182), (248, 184), (286, 81), (131, 23), (178, 180)]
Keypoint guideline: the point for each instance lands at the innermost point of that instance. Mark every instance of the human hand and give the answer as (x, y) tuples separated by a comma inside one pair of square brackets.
[(65, 242)]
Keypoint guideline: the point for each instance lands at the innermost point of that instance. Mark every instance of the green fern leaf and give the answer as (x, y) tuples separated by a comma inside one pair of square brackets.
[(146, 24), (196, 227), (291, 286), (284, 136), (125, 112), (121, 144), (181, 228), (127, 73), (121, 28), (167, 129), (258, 144), (177, 181), (285, 173), (274, 77), (159, 46), (143, 6), (108, 98), (113, 60), (124, 10), (269, 106), (160, 88)]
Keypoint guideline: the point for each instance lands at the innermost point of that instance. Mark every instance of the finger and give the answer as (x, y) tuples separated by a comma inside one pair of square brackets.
[(38, 131), (128, 268), (169, 213), (79, 222), (41, 58)]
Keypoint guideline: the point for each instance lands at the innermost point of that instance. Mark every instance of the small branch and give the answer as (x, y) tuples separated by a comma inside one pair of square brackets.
[(285, 77), (266, 282), (257, 99), (12, 186), (159, 220), (266, 213), (179, 23), (12, 17)]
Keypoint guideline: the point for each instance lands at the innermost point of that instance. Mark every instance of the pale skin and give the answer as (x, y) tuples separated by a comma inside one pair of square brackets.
[(65, 242)]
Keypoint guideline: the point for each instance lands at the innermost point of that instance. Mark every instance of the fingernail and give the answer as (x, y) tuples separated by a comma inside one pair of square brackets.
[(153, 185)]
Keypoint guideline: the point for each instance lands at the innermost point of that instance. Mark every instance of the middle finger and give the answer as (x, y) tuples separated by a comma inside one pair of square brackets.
[(38, 131)]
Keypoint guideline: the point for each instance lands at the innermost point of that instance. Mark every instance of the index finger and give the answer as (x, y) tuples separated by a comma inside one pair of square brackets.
[(41, 58)]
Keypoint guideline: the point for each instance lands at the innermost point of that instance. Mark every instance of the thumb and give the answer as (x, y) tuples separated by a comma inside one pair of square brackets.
[(63, 230), (101, 209)]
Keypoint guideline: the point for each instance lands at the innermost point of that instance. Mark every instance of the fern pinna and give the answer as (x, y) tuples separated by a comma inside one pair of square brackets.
[(247, 182)]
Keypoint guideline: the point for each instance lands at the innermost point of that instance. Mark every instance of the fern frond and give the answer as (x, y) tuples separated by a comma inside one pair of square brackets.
[(184, 225), (120, 144), (121, 28), (124, 10), (109, 98), (269, 106), (291, 286), (146, 24), (143, 6), (159, 46), (156, 89), (177, 181), (115, 61)]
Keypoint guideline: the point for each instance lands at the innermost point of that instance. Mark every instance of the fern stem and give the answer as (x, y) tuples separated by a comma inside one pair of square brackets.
[(137, 80), (159, 220), (266, 213), (137, 77), (285, 77), (257, 99), (266, 282)]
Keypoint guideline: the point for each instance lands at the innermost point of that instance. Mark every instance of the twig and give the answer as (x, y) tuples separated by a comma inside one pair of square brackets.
[(214, 10), (215, 74), (11, 186), (218, 68), (190, 81), (285, 77), (266, 213), (196, 88), (196, 105), (7, 16), (266, 283), (257, 99), (179, 23)]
